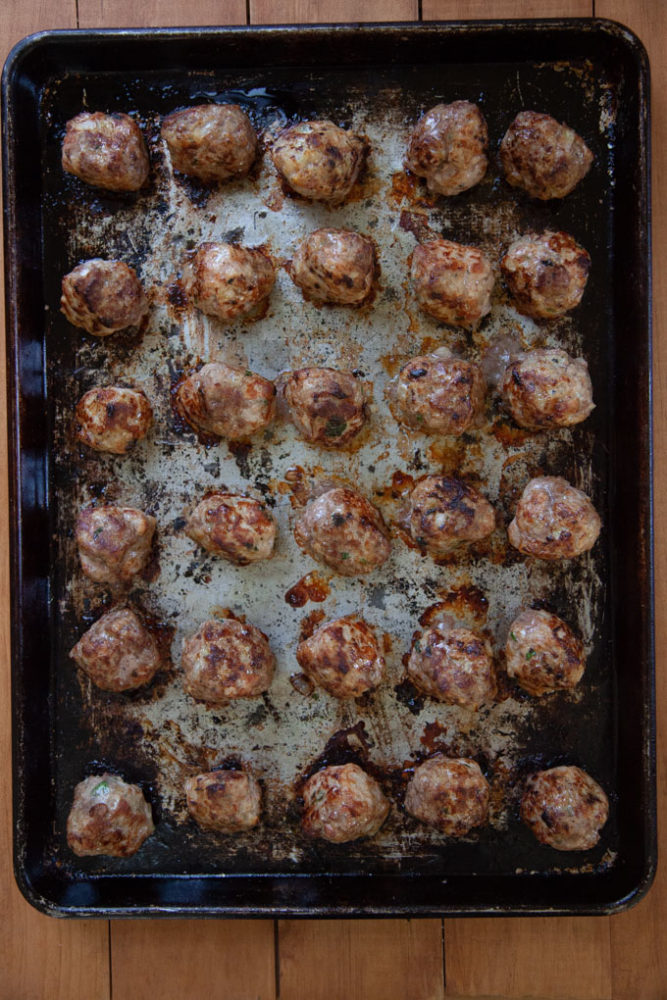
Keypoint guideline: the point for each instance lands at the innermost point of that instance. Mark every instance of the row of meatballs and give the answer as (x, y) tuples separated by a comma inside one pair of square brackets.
[(320, 161), (564, 807), (229, 659)]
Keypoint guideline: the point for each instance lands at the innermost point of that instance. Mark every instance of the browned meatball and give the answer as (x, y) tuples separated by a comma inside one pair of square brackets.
[(439, 394), (326, 406), (224, 801), (542, 156), (547, 388), (344, 530), (107, 151), (553, 520), (225, 660), (565, 808), (108, 816), (453, 664), (103, 296), (453, 283), (343, 803), (113, 418), (543, 654), (319, 160), (448, 147), (342, 656), (335, 265), (228, 402), (212, 142), (450, 794), (118, 652), (236, 527), (228, 281), (444, 512), (114, 543), (546, 275)]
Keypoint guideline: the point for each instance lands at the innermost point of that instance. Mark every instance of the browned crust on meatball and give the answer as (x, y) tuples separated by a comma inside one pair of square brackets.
[(114, 542), (450, 794), (227, 281), (343, 529), (335, 265), (343, 803), (225, 660), (103, 296), (228, 402), (544, 157), (453, 664), (439, 395), (553, 520), (112, 419), (452, 282), (546, 274), (448, 148), (343, 656), (118, 652), (547, 388), (543, 654), (444, 512), (319, 160), (108, 816), (212, 142), (328, 407), (565, 808), (239, 528), (106, 151), (224, 801)]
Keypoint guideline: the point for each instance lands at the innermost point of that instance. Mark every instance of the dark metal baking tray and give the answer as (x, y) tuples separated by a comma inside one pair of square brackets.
[(580, 71)]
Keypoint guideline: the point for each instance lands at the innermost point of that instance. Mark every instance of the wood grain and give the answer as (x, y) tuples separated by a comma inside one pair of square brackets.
[(360, 959), (159, 13), (193, 959), (470, 10), (314, 11)]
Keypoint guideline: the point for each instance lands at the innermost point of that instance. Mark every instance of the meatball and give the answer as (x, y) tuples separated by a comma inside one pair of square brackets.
[(445, 512), (546, 275), (448, 148), (225, 660), (106, 151), (326, 406), (565, 808), (547, 388), (224, 801), (450, 794), (227, 402), (103, 296), (335, 265), (542, 156), (212, 142), (453, 664), (343, 529), (553, 520), (343, 803), (108, 816), (318, 160), (118, 652), (543, 654), (114, 543), (453, 283), (439, 394), (342, 656), (238, 528), (228, 281), (113, 418)]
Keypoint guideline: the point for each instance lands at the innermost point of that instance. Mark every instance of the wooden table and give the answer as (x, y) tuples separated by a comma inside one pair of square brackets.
[(621, 957)]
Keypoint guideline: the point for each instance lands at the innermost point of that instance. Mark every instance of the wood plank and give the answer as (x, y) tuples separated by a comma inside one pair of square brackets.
[(470, 10), (159, 13), (639, 957), (314, 11), (183, 959), (360, 959), (40, 957)]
